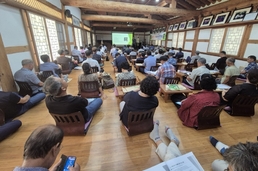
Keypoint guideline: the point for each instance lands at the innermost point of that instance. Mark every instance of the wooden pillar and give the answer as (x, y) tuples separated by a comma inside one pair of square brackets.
[(195, 41), (67, 43), (6, 77)]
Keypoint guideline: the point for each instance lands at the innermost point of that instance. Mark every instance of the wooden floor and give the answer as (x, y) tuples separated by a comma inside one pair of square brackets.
[(108, 147)]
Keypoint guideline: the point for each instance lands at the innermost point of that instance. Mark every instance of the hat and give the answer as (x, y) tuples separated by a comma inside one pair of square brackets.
[(119, 51)]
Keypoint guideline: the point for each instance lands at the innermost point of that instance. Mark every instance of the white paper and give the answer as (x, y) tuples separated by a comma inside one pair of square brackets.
[(186, 162), (223, 86)]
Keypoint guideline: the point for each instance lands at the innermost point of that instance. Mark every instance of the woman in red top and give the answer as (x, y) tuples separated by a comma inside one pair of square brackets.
[(191, 106)]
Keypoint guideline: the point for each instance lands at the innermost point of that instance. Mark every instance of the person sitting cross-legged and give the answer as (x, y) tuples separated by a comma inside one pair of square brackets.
[(249, 88), (89, 60), (125, 74), (231, 70), (192, 105), (13, 105), (165, 70), (59, 102), (251, 65), (189, 80), (25, 74), (142, 100), (49, 66), (89, 76), (239, 157)]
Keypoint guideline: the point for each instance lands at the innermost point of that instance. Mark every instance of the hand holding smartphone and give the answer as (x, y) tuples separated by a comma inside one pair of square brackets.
[(67, 161)]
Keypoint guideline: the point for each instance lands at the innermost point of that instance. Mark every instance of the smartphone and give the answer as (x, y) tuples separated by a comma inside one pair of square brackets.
[(67, 161)]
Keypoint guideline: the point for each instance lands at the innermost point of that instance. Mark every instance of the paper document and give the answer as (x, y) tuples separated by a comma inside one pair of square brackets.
[(175, 87), (223, 86), (131, 88), (186, 162), (78, 68)]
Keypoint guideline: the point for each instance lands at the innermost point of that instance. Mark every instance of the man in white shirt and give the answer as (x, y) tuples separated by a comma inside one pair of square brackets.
[(189, 80), (195, 57), (76, 52), (91, 61)]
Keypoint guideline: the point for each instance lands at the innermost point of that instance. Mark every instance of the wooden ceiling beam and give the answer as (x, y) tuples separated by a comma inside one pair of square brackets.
[(193, 3), (185, 5), (206, 2), (120, 19), (109, 6), (120, 25)]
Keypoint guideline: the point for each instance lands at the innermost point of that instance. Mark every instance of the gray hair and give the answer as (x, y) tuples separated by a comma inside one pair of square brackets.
[(51, 86), (202, 60), (231, 60), (26, 61), (242, 156)]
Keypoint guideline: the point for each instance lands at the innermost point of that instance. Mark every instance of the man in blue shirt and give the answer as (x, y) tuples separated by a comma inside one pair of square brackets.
[(251, 65), (25, 74), (171, 59), (49, 66), (148, 62)]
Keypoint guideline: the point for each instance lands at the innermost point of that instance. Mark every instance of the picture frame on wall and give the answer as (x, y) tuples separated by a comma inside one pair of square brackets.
[(239, 14), (206, 21), (182, 25), (163, 29), (170, 28), (251, 16), (221, 18), (175, 27), (190, 24)]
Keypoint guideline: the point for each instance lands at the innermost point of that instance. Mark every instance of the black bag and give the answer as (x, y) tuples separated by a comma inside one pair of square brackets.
[(107, 82)]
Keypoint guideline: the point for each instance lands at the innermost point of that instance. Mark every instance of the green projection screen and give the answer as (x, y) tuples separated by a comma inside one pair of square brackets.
[(122, 38)]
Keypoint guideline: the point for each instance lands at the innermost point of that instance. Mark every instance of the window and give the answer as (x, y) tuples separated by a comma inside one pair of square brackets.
[(216, 40), (93, 39), (60, 35), (233, 39), (180, 41), (88, 38), (174, 40), (39, 34), (53, 39), (78, 37)]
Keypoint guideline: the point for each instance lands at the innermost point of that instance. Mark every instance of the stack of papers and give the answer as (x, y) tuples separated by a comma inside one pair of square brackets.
[(131, 88), (175, 87), (186, 162)]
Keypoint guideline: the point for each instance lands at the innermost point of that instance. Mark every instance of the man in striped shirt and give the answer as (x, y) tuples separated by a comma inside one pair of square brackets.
[(165, 70)]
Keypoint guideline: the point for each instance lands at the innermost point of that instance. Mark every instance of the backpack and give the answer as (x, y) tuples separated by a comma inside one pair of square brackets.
[(107, 82)]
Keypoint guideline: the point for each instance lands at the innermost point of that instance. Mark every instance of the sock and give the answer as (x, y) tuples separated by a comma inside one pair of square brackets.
[(171, 135), (218, 145), (154, 135)]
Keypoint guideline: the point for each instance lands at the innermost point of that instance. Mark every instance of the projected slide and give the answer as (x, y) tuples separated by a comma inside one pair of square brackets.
[(122, 38)]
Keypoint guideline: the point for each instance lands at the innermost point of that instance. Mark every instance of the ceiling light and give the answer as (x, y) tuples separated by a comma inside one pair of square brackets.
[(157, 0)]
